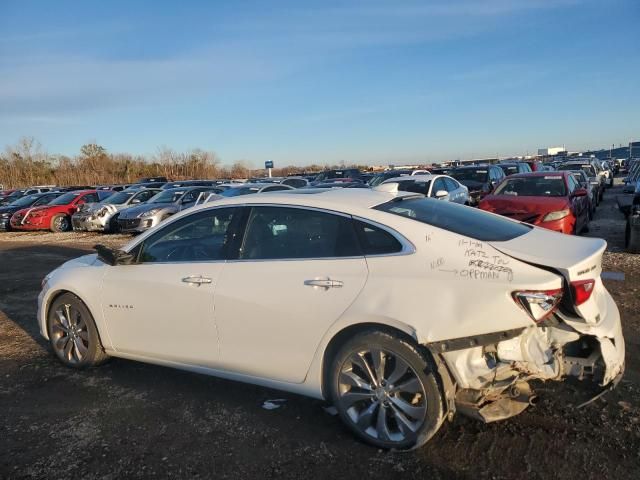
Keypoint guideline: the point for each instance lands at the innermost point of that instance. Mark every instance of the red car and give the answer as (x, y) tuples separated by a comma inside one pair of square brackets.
[(552, 200), (56, 215)]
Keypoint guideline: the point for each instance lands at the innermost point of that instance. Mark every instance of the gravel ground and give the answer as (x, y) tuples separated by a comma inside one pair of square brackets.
[(128, 419)]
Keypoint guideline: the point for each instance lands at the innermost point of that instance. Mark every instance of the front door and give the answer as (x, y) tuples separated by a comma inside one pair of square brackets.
[(162, 306), (299, 270)]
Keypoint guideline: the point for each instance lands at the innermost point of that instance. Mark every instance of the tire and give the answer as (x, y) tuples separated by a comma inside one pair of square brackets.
[(632, 237), (60, 223), (113, 226), (73, 334), (370, 401)]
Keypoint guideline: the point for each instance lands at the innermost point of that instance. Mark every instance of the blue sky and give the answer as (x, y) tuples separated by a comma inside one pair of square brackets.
[(301, 81)]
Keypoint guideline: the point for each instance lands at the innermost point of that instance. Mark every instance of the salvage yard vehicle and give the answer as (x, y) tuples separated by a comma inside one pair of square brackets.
[(596, 179), (55, 215), (551, 200), (19, 193), (103, 216), (149, 214), (582, 179), (33, 200), (481, 180), (204, 292), (511, 168), (441, 187)]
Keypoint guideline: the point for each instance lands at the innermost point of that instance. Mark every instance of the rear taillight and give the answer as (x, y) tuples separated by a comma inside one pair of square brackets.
[(538, 304), (582, 290)]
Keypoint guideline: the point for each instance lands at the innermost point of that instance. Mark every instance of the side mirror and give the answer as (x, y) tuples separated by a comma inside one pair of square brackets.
[(440, 194), (135, 200), (113, 257), (580, 192)]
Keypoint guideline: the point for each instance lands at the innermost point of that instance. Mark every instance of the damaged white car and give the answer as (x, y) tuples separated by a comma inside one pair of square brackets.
[(331, 295)]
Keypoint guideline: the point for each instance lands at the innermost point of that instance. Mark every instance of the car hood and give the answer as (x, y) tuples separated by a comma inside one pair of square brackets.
[(140, 209), (9, 209), (83, 261), (520, 208)]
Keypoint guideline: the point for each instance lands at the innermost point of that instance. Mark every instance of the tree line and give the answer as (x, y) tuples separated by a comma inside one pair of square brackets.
[(27, 163)]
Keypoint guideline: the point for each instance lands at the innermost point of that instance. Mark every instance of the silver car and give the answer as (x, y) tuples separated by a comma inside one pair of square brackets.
[(442, 187), (142, 217), (103, 216)]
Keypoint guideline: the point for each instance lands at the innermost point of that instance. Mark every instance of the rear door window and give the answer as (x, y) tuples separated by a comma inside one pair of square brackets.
[(287, 233), (455, 218)]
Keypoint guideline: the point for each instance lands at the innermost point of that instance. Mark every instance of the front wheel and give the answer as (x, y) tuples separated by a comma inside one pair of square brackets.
[(73, 333), (385, 391), (60, 223)]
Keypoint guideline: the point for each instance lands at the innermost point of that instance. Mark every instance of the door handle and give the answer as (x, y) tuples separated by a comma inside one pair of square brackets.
[(325, 283), (197, 280)]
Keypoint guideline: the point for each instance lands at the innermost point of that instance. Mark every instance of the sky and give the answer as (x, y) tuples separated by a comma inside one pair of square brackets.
[(300, 82)]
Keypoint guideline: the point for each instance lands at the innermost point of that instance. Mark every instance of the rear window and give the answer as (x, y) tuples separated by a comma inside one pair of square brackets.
[(455, 218)]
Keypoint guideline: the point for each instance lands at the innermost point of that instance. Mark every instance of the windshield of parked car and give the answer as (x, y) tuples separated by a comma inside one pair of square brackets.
[(117, 198), (168, 196), (25, 201), (378, 178), (455, 218), (237, 191), (473, 174), (588, 169), (333, 174), (509, 169), (535, 186), (65, 199)]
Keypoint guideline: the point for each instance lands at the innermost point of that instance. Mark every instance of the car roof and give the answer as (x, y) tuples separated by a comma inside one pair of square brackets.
[(554, 173), (422, 176), (347, 200)]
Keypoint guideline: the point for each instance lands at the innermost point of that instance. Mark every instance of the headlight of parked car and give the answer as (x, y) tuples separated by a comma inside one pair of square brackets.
[(555, 215), (148, 213), (5, 215)]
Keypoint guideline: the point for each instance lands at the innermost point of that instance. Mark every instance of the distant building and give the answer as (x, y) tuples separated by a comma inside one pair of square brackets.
[(551, 151)]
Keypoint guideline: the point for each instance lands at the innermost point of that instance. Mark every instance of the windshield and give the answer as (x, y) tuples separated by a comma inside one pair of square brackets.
[(378, 178), (117, 198), (25, 201), (509, 169), (65, 199), (538, 186), (472, 174), (455, 218), (588, 169), (168, 196), (236, 192)]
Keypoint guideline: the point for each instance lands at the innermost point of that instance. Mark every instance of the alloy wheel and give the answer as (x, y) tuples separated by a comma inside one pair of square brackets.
[(382, 395), (69, 334), (61, 224)]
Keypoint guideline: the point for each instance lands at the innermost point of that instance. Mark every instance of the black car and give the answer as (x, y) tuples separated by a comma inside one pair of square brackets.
[(338, 174), (442, 170), (481, 180), (632, 233), (515, 167), (190, 183), (153, 180), (33, 200)]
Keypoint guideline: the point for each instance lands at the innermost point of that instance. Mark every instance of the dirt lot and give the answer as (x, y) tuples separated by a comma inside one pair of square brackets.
[(128, 419)]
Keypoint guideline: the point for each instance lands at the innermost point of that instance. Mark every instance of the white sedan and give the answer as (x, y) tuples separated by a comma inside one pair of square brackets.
[(325, 295), (442, 187)]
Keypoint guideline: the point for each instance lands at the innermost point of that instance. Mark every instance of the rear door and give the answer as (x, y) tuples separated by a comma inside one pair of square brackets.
[(298, 270)]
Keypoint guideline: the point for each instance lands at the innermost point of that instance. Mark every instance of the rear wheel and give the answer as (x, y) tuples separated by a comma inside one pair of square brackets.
[(60, 223), (385, 391), (73, 333)]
